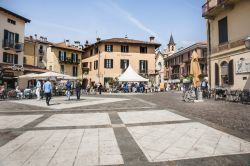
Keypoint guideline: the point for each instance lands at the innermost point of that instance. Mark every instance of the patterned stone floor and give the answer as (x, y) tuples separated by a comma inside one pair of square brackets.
[(145, 135)]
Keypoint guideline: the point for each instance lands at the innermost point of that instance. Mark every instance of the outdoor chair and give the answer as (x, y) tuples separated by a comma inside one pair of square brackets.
[(245, 96)]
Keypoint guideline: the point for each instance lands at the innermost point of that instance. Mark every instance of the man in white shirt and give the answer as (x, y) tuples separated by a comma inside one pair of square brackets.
[(38, 89)]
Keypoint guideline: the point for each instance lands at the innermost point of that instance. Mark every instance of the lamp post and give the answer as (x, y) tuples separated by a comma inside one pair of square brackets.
[(247, 42)]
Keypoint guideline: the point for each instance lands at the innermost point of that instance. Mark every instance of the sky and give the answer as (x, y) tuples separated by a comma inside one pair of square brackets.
[(81, 20)]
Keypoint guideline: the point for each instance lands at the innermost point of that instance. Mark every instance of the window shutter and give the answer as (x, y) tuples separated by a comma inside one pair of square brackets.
[(128, 63), (216, 74), (59, 56), (4, 57), (121, 64), (105, 61), (5, 34), (106, 48), (231, 72), (15, 59), (64, 55), (146, 66), (111, 63), (16, 38), (76, 57), (111, 48), (223, 30)]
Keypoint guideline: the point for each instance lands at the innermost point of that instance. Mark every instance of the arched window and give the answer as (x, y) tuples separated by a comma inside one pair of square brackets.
[(224, 73), (216, 74), (231, 72), (172, 48)]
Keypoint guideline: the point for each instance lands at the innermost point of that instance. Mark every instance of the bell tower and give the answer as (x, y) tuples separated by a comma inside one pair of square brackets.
[(171, 45)]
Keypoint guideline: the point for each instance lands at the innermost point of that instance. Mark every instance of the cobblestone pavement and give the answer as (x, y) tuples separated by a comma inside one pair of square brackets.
[(137, 130)]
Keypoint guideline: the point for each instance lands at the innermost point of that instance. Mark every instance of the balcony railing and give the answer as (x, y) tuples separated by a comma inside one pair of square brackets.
[(10, 44), (69, 61), (210, 5)]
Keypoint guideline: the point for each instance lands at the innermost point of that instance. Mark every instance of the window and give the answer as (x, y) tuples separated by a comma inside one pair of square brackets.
[(91, 52), (223, 30), (143, 66), (143, 50), (10, 58), (40, 59), (96, 50), (124, 63), (62, 69), (62, 56), (172, 48), (124, 49), (24, 60), (74, 57), (10, 39), (109, 48), (74, 71), (41, 49), (11, 21), (95, 65), (108, 63), (90, 66)]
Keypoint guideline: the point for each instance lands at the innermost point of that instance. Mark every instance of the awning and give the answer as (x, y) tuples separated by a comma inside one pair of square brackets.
[(131, 76)]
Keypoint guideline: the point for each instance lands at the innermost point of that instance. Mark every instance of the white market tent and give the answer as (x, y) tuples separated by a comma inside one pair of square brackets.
[(131, 76), (54, 74), (30, 75)]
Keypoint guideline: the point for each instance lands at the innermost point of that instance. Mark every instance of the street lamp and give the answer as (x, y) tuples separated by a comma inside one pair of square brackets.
[(247, 42)]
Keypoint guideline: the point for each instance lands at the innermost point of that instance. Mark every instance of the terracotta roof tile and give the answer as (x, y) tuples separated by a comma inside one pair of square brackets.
[(63, 46)]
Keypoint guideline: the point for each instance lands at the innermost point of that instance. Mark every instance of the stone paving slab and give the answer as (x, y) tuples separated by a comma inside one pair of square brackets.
[(186, 141), (63, 103), (62, 147), (149, 116), (16, 121), (86, 119)]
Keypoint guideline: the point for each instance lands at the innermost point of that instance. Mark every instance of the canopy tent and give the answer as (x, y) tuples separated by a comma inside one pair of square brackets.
[(131, 76)]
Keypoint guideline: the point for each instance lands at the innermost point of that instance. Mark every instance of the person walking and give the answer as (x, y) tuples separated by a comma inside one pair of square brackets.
[(68, 89), (47, 88), (38, 89), (78, 89), (100, 88)]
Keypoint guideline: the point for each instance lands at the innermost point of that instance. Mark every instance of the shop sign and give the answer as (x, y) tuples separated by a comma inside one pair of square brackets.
[(243, 66)]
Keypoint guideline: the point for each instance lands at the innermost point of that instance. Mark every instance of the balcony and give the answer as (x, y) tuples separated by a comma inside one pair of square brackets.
[(77, 61), (8, 44), (212, 7), (19, 47), (227, 46)]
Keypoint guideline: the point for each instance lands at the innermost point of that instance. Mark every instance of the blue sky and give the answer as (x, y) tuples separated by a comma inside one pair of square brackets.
[(81, 20)]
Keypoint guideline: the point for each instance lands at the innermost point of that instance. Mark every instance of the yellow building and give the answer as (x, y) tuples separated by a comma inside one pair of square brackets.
[(12, 28), (35, 51), (65, 58), (107, 59), (228, 26)]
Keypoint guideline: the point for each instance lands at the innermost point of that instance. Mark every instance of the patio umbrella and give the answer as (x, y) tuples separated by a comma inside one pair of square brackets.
[(49, 74), (30, 75), (195, 70)]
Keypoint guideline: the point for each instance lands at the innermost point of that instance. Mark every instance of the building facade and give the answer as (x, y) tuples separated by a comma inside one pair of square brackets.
[(11, 46), (35, 51), (227, 27), (178, 64), (107, 59), (159, 68), (65, 58)]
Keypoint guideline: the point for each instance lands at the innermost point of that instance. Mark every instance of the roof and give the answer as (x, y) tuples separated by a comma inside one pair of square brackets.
[(171, 40), (36, 40), (125, 41), (192, 47), (14, 14), (64, 46)]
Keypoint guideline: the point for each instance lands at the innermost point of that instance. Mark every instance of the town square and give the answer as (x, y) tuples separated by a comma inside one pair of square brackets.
[(133, 83)]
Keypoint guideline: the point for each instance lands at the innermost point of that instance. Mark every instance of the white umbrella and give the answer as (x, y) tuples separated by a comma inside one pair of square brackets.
[(31, 75), (49, 74)]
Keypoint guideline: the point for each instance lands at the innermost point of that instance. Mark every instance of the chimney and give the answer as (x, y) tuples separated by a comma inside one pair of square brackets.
[(98, 39), (126, 36), (151, 39), (31, 38), (86, 43), (67, 42), (35, 36), (45, 39), (41, 38)]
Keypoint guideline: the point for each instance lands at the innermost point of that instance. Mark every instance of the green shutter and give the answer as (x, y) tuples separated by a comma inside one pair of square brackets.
[(15, 59), (216, 74), (5, 57), (16, 38), (111, 63), (231, 72)]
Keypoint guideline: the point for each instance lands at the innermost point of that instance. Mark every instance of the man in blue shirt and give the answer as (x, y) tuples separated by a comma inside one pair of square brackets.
[(47, 88)]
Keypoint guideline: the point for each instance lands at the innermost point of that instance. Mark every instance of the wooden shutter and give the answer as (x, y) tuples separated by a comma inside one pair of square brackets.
[(16, 38), (5, 57), (231, 72), (216, 74), (223, 30), (64, 56), (5, 34), (105, 61), (59, 56), (111, 63), (121, 64), (15, 59), (146, 66), (111, 48)]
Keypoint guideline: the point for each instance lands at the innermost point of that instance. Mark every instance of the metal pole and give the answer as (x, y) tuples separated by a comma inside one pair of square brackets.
[(99, 65)]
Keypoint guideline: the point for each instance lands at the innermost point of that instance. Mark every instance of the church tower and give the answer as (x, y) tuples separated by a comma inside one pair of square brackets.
[(171, 45)]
